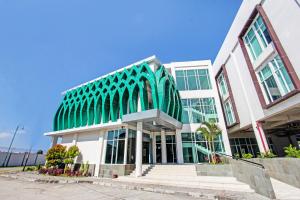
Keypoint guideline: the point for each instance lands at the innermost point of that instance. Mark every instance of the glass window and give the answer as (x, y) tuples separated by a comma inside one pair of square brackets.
[(222, 86), (229, 114), (131, 146), (180, 80), (204, 80), (275, 80), (262, 31), (115, 146), (199, 110), (193, 79), (282, 75), (195, 147), (242, 145), (257, 38)]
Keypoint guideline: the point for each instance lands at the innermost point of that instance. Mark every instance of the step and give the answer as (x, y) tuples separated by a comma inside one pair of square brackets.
[(145, 169), (217, 179), (234, 186)]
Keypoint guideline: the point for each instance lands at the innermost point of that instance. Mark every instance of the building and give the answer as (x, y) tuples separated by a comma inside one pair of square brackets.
[(137, 115), (149, 112), (257, 70)]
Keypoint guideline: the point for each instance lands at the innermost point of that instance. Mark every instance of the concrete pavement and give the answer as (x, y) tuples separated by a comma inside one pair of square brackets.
[(14, 189)]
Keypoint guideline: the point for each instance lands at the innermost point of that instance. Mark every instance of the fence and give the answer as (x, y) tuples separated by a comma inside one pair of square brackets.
[(19, 159)]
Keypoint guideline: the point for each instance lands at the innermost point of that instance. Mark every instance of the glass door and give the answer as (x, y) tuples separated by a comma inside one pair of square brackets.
[(171, 149), (158, 149)]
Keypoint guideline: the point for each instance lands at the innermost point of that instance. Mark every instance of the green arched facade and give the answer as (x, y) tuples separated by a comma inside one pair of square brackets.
[(113, 96)]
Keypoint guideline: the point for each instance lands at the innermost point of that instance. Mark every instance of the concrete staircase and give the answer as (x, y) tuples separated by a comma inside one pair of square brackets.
[(185, 176), (145, 170)]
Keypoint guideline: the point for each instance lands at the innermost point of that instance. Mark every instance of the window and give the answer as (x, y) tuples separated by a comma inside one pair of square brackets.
[(115, 146), (240, 146), (226, 99), (131, 146), (195, 148), (199, 110), (257, 38), (229, 115), (222, 86), (275, 80), (193, 79)]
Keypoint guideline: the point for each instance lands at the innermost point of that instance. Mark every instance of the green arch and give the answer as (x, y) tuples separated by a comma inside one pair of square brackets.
[(115, 95)]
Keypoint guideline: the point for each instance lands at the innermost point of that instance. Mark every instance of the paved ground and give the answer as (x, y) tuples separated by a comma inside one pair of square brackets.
[(284, 191), (13, 189)]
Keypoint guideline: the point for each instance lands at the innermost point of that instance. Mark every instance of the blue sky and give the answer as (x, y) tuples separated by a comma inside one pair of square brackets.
[(49, 46)]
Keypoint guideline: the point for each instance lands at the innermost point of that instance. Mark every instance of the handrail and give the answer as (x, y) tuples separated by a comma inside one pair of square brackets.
[(244, 160)]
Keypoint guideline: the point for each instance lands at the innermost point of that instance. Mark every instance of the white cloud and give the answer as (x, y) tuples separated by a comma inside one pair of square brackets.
[(4, 135)]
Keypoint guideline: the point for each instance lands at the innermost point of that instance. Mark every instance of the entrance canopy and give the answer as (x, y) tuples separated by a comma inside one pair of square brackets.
[(153, 120)]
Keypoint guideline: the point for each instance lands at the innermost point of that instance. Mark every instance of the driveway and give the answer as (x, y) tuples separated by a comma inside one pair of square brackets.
[(14, 189)]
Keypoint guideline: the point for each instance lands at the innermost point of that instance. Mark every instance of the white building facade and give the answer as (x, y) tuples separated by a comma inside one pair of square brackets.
[(257, 70), (152, 135)]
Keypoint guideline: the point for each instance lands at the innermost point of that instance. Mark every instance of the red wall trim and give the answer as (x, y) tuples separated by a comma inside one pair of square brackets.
[(277, 44)]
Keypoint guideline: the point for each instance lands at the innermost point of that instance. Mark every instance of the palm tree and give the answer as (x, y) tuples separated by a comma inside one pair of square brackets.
[(210, 130)]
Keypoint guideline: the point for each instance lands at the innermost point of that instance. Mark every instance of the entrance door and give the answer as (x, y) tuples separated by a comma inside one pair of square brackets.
[(146, 153), (171, 149), (158, 148)]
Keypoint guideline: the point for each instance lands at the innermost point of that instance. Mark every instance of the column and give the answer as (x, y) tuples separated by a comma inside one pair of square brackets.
[(139, 149), (104, 147), (260, 137), (99, 152), (179, 147), (54, 140), (154, 148), (75, 138), (163, 147), (126, 146), (74, 142)]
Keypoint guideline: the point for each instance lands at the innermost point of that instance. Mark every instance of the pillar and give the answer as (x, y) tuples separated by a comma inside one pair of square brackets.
[(99, 152), (139, 149), (74, 142), (179, 147), (154, 148), (75, 138), (54, 140), (163, 147), (126, 146), (260, 137), (104, 148)]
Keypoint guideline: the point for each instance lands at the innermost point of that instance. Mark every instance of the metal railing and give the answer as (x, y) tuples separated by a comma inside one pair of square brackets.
[(241, 159)]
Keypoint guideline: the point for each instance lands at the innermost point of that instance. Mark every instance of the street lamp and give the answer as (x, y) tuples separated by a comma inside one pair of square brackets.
[(12, 140)]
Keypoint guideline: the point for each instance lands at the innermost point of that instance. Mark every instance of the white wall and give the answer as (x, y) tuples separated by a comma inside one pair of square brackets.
[(89, 144), (284, 17)]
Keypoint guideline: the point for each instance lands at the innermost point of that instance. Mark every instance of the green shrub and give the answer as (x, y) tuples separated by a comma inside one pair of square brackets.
[(247, 156), (268, 154), (38, 167), (84, 169), (72, 152), (30, 169), (236, 155), (55, 156), (292, 152)]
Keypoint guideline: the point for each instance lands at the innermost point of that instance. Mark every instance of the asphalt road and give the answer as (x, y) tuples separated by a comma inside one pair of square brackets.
[(13, 189)]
